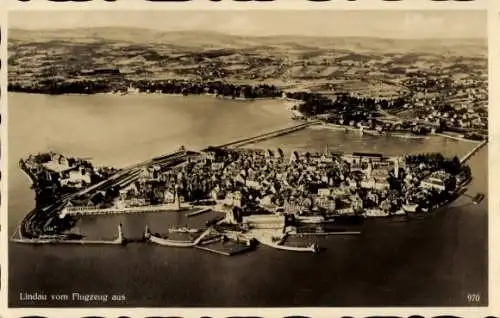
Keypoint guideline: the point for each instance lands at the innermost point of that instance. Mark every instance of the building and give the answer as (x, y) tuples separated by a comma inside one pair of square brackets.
[(324, 192), (77, 179), (433, 183), (233, 199), (359, 157), (439, 181)]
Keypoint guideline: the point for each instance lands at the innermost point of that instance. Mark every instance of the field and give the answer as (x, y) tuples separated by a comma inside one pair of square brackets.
[(365, 66)]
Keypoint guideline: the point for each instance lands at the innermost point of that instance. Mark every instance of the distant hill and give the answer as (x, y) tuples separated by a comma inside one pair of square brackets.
[(213, 40), (368, 66)]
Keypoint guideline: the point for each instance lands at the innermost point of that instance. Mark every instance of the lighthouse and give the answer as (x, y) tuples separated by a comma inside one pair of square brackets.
[(120, 233)]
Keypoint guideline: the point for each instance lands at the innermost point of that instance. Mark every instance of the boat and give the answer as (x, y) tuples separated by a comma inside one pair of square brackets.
[(184, 230), (310, 219), (478, 198), (313, 248), (278, 243), (412, 208), (408, 136), (166, 242), (400, 212)]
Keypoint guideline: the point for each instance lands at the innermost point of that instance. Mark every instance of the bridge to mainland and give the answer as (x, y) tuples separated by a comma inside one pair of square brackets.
[(473, 151)]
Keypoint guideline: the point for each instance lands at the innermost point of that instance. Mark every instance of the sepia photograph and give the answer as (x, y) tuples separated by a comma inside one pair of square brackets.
[(247, 158)]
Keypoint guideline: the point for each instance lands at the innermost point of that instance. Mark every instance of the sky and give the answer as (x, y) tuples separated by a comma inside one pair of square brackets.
[(384, 24)]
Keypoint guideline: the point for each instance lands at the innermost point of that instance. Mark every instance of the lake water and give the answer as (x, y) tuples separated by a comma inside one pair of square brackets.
[(433, 262)]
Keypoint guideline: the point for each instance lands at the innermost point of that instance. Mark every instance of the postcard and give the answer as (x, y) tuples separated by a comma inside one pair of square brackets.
[(204, 158)]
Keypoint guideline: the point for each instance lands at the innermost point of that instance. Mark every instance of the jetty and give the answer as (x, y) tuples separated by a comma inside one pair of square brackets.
[(60, 239)]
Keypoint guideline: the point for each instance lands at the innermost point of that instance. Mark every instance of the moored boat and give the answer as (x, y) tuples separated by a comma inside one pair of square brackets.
[(167, 242), (184, 230), (277, 242), (478, 198), (310, 219)]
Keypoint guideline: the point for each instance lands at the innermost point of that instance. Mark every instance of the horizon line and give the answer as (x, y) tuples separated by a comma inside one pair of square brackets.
[(247, 36)]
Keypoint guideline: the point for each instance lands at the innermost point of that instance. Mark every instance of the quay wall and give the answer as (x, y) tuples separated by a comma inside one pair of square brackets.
[(56, 241), (140, 209)]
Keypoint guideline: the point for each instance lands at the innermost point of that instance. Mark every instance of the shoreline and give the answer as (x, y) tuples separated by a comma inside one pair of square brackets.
[(288, 104), (24, 225)]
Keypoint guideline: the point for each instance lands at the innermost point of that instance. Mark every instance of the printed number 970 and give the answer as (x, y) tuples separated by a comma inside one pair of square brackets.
[(473, 298)]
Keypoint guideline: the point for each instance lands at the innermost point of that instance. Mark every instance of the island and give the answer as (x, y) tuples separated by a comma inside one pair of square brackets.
[(262, 195)]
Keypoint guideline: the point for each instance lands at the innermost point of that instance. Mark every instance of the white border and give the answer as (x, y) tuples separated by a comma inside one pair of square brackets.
[(251, 5), (493, 7), (3, 160)]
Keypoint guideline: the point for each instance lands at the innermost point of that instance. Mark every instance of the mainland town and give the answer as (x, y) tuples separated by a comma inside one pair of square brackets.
[(263, 196)]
